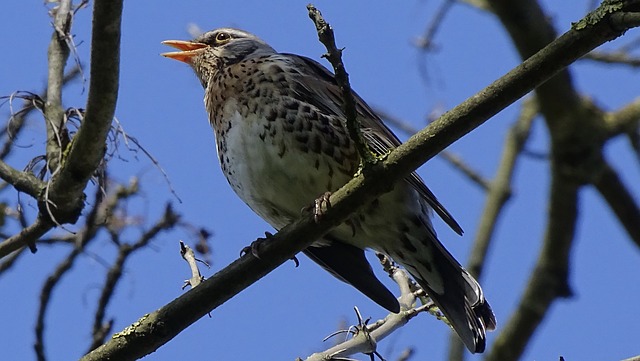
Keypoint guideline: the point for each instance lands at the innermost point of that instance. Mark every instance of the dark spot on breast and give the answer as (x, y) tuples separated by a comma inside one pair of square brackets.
[(249, 86), (291, 104), (276, 68), (283, 149), (315, 143), (302, 137), (328, 149), (272, 115)]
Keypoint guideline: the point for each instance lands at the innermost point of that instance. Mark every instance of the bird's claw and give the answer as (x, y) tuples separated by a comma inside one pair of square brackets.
[(254, 248), (320, 205)]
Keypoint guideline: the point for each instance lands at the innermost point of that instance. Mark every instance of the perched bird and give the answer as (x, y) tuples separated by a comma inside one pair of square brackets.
[(282, 142)]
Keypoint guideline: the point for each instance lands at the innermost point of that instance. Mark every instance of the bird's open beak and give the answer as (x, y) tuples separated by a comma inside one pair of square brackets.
[(188, 50)]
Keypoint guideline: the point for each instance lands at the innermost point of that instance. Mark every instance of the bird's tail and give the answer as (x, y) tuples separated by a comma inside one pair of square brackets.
[(453, 290)]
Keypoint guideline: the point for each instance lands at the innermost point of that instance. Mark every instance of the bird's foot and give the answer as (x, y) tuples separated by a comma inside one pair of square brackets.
[(254, 248), (319, 206)]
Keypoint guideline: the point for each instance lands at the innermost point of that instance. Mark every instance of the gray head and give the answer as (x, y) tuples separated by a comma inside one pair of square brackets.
[(216, 49)]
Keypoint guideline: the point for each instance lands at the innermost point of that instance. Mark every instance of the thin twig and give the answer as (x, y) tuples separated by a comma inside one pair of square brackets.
[(125, 250), (27, 237), (366, 335), (334, 56), (425, 42), (189, 256), (82, 239), (617, 57)]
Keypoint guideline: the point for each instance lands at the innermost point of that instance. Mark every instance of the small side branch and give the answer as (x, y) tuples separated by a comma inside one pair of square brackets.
[(620, 200), (58, 53), (190, 257), (27, 237), (334, 55)]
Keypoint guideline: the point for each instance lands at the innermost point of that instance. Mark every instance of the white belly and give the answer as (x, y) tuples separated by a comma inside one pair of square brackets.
[(276, 180)]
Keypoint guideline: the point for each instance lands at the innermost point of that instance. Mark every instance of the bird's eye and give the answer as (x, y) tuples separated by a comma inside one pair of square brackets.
[(222, 38)]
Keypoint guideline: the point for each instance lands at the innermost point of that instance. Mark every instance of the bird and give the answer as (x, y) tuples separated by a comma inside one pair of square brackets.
[(282, 141)]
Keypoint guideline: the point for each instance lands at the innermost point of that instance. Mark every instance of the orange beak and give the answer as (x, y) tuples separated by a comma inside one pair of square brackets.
[(188, 50)]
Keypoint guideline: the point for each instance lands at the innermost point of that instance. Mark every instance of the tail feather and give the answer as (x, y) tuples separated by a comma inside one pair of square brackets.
[(453, 290)]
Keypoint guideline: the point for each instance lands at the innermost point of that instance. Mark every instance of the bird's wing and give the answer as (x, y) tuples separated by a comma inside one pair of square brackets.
[(322, 91), (349, 264)]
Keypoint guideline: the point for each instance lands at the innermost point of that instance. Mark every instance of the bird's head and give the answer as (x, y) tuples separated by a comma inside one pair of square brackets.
[(216, 49)]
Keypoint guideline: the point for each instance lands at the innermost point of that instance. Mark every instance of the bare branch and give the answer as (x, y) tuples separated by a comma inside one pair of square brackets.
[(548, 281), (22, 181), (620, 200), (367, 336), (334, 55), (27, 237), (188, 255), (478, 4), (425, 42), (617, 57), (31, 102), (57, 136), (624, 120), (125, 250), (500, 190), (82, 239), (88, 146)]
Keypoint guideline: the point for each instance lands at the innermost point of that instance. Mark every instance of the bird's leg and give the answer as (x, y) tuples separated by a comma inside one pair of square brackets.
[(254, 248), (319, 206)]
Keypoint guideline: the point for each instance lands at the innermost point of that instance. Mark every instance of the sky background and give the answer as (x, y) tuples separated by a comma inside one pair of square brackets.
[(289, 312)]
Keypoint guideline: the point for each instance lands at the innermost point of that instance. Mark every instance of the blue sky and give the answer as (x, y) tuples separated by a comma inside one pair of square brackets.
[(287, 314)]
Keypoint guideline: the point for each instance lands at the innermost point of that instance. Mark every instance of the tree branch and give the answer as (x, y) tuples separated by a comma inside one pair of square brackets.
[(549, 278), (27, 236), (616, 57), (57, 136), (620, 200), (88, 145), (624, 120)]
